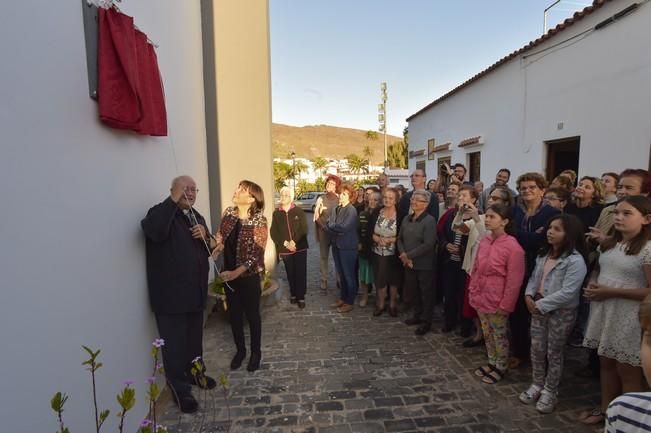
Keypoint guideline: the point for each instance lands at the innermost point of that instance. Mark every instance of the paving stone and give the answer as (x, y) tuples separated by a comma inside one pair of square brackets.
[(378, 414), (340, 428), (283, 420), (430, 421), (367, 427), (364, 403), (399, 425), (325, 406), (388, 401), (341, 395)]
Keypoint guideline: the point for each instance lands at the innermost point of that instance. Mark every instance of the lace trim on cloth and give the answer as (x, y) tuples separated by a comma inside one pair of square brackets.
[(617, 355)]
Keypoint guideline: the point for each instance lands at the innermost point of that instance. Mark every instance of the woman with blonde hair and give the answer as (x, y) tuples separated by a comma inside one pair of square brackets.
[(588, 201)]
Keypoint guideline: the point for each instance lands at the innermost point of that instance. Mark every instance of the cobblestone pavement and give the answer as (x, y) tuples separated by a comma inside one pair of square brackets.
[(337, 373)]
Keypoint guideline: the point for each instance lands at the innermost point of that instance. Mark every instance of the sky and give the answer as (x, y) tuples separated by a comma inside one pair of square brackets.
[(328, 58)]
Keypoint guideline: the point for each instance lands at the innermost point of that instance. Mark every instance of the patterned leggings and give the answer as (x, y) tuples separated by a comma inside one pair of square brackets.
[(495, 327), (549, 334)]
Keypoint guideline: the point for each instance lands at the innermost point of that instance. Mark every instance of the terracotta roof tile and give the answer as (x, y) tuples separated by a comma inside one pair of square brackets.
[(578, 16)]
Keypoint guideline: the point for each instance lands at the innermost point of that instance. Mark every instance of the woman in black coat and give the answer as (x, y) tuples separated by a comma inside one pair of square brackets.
[(289, 233)]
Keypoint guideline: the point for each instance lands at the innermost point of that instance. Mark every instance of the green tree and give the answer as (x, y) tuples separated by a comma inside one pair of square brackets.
[(371, 135), (282, 172), (397, 154), (368, 153), (296, 169), (319, 184), (320, 164), (357, 164)]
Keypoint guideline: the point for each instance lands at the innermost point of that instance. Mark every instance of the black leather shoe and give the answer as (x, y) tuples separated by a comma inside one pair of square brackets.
[(254, 362), (186, 403), (423, 329), (447, 328), (413, 321), (207, 383), (471, 342), (237, 360), (301, 304), (465, 333), (379, 311), (293, 300)]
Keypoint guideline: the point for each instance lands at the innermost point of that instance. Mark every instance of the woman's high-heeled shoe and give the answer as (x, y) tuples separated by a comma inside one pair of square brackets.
[(378, 311)]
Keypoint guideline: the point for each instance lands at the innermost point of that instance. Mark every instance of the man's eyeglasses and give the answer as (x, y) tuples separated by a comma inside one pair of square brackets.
[(415, 175), (528, 188), (191, 190)]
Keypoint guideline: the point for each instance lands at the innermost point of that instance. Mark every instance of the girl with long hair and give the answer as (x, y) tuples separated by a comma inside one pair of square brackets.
[(494, 288), (552, 296), (623, 280)]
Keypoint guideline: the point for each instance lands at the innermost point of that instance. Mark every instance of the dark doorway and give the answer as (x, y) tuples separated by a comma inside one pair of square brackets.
[(474, 166), (562, 155)]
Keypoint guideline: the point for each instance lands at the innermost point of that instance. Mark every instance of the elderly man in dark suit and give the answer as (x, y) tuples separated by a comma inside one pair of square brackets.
[(177, 276)]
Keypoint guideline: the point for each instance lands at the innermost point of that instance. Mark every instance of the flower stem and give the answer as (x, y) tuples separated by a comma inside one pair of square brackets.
[(92, 373)]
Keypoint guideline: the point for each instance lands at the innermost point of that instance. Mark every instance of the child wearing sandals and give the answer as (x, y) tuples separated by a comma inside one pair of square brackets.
[(552, 296), (624, 280), (494, 288), (630, 413)]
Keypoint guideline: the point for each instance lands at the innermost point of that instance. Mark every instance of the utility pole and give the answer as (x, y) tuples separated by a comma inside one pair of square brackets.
[(382, 118), (545, 15), (293, 155)]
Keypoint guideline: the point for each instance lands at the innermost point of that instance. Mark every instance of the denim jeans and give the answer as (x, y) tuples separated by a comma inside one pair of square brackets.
[(346, 265)]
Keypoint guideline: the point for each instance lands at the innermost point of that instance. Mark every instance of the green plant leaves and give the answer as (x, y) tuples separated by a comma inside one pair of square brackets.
[(57, 401), (127, 398)]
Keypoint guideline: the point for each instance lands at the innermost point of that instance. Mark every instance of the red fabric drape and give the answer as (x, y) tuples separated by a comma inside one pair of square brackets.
[(130, 90)]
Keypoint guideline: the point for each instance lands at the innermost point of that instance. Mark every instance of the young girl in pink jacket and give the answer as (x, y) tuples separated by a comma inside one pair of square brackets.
[(494, 289)]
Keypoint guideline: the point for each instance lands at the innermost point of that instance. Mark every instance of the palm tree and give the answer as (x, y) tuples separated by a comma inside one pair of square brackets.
[(397, 154), (357, 164), (282, 172), (320, 163), (372, 135), (368, 153)]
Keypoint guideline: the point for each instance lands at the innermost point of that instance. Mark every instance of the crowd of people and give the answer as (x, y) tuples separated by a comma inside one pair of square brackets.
[(523, 271)]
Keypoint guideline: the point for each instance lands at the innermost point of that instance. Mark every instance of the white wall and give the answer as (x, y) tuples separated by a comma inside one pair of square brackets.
[(599, 88), (72, 266)]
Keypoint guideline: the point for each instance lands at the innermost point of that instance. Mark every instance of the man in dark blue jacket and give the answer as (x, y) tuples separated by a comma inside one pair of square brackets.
[(177, 276)]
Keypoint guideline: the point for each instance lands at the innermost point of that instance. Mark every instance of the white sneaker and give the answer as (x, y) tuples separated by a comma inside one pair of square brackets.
[(531, 395), (547, 402)]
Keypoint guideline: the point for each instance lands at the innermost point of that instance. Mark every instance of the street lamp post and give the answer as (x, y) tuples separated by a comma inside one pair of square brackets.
[(382, 118), (294, 171)]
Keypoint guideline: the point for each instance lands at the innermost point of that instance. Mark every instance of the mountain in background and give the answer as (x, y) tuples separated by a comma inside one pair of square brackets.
[(326, 141)]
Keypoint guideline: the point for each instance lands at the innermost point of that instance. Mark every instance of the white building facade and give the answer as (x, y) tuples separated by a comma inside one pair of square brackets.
[(72, 253), (577, 98)]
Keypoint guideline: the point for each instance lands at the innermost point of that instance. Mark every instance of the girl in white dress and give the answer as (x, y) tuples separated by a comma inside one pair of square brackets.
[(624, 279)]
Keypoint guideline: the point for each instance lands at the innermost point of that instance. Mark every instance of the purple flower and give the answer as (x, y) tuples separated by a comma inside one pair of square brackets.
[(128, 382), (151, 380), (145, 423), (159, 342), (159, 366)]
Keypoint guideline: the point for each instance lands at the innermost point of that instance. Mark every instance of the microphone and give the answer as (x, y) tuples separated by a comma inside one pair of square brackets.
[(193, 218)]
